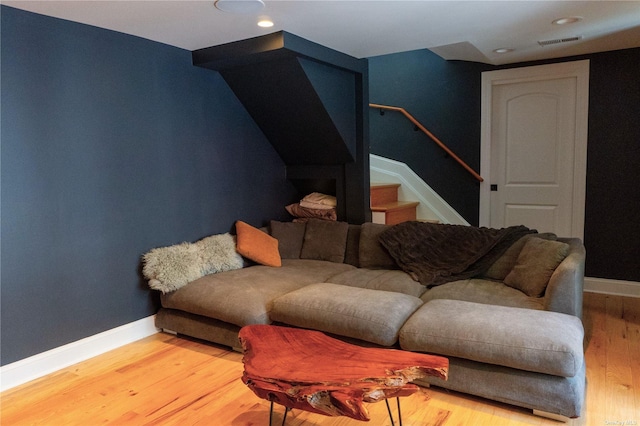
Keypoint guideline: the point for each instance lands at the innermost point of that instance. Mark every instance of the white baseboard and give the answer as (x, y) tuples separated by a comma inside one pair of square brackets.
[(39, 365), (613, 287)]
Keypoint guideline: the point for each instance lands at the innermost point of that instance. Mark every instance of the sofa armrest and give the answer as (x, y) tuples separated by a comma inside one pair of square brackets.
[(564, 291)]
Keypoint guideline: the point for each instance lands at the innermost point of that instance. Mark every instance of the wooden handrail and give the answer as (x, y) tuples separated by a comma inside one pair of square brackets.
[(431, 135)]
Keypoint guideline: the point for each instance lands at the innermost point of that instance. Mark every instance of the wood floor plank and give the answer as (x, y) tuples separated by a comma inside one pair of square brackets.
[(595, 321), (619, 376), (631, 318), (167, 380)]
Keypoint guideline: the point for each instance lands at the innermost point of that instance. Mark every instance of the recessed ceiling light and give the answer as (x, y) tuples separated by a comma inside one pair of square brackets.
[(265, 23), (503, 50), (567, 20), (240, 6)]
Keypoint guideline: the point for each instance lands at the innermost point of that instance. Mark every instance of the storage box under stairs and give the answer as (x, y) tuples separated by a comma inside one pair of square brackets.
[(385, 206)]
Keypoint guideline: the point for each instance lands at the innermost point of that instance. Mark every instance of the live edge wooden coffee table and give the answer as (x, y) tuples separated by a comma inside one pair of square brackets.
[(311, 371)]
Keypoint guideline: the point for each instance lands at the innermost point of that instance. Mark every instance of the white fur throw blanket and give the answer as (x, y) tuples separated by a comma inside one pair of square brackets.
[(169, 268)]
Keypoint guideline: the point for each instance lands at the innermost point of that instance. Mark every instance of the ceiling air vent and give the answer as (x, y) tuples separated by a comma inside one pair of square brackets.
[(559, 40)]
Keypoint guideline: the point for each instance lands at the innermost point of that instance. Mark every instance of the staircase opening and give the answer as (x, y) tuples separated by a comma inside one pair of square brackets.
[(311, 102), (386, 208)]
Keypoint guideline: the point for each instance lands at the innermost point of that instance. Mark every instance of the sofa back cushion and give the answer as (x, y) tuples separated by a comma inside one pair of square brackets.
[(535, 265), (505, 263), (325, 240), (351, 255), (290, 236), (371, 253)]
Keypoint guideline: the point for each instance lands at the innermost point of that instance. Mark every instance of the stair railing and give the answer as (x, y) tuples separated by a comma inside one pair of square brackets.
[(431, 135)]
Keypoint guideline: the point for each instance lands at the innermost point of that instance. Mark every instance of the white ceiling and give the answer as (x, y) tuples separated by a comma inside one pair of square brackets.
[(466, 30)]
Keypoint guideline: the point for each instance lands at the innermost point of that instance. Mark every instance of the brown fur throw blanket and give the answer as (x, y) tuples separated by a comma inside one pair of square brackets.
[(435, 254)]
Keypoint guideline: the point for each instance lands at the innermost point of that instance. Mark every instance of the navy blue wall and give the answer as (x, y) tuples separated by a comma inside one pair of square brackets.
[(445, 97), (612, 216), (111, 145)]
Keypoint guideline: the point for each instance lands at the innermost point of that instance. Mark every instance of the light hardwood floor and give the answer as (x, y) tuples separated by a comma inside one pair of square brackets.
[(165, 380)]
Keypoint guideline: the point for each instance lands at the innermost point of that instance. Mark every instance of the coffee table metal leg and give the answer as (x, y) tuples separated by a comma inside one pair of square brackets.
[(284, 419), (386, 401), (391, 415), (270, 413)]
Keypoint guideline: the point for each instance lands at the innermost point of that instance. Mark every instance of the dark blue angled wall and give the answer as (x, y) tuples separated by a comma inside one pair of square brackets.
[(111, 145)]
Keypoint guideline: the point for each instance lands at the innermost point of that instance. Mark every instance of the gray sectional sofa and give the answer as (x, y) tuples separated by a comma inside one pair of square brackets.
[(503, 344)]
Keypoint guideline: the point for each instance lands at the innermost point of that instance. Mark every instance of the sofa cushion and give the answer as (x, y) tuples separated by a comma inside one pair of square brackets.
[(257, 245), (372, 254), (325, 240), (505, 263), (290, 236), (380, 279), (525, 339), (370, 315), (245, 296), (479, 290), (535, 265)]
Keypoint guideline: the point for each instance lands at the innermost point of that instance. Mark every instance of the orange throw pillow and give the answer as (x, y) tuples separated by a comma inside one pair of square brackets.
[(257, 245)]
